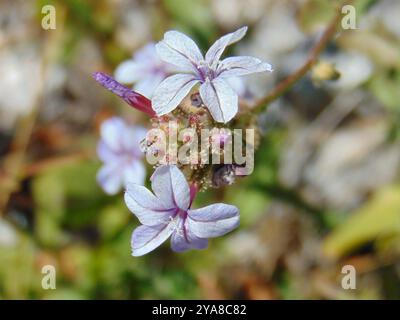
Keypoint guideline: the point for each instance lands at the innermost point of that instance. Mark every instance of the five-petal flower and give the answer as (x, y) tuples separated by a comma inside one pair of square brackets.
[(119, 149), (167, 213), (211, 72)]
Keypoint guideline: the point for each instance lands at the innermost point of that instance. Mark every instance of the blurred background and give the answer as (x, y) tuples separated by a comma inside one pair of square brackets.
[(325, 191)]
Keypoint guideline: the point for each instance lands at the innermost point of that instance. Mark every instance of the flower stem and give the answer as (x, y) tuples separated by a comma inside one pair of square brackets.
[(262, 104), (194, 188)]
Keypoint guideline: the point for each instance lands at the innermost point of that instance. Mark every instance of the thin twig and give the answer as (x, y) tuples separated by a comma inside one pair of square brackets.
[(287, 83), (14, 162), (55, 162), (292, 198)]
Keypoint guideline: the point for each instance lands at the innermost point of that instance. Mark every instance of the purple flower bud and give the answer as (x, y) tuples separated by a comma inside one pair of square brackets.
[(133, 98), (224, 175), (196, 100)]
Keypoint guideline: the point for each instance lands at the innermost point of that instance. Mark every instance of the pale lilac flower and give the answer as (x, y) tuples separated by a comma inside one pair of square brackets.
[(211, 72), (119, 150), (167, 213), (145, 69)]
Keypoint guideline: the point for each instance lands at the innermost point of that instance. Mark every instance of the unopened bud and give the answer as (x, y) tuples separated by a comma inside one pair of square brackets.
[(324, 71), (224, 175), (132, 98)]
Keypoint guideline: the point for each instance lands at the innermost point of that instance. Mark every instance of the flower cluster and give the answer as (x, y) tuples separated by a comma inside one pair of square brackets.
[(202, 95)]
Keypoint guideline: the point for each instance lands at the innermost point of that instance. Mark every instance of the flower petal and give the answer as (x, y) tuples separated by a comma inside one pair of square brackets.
[(178, 49), (119, 141), (105, 153), (132, 138), (149, 84), (220, 99), (135, 173), (129, 72), (183, 239), (213, 221), (110, 178), (238, 85), (214, 53), (240, 66), (147, 55), (146, 239), (145, 64), (171, 92), (111, 131), (170, 186), (145, 206)]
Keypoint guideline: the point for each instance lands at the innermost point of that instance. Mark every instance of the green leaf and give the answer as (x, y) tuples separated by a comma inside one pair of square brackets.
[(112, 219), (49, 198), (250, 203), (193, 17), (380, 217), (385, 86)]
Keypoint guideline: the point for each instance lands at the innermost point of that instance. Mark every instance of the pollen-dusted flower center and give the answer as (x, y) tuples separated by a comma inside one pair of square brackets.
[(206, 72), (182, 214)]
